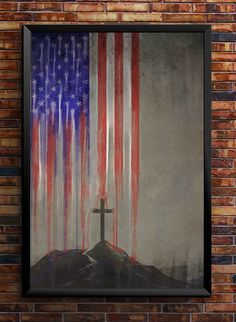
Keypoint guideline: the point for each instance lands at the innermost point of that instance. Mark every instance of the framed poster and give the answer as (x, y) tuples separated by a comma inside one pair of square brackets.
[(116, 190)]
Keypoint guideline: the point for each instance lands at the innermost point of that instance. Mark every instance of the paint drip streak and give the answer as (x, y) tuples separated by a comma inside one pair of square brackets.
[(118, 121), (51, 154), (84, 177), (35, 172), (102, 127), (135, 140), (68, 181)]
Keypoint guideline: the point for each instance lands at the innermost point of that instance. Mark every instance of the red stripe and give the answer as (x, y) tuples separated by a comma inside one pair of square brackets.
[(35, 171), (84, 178), (51, 153), (118, 123), (102, 127), (68, 176), (135, 140)]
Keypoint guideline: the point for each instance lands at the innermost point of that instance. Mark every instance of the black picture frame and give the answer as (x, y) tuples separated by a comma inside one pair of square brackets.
[(26, 289)]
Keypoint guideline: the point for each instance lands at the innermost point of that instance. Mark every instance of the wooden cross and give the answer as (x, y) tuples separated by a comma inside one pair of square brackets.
[(102, 211)]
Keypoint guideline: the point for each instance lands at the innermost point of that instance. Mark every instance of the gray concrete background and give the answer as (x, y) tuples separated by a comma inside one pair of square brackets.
[(170, 224)]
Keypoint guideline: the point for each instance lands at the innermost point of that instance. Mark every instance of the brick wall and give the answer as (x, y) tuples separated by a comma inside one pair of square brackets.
[(222, 304)]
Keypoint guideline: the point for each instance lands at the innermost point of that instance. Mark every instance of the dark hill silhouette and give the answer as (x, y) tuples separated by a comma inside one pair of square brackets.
[(103, 266)]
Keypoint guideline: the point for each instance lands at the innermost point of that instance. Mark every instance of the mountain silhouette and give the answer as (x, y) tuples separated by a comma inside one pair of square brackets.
[(103, 266)]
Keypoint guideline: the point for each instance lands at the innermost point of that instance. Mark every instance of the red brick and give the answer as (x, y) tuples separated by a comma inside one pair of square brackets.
[(223, 278), (57, 307), (227, 210), (126, 317), (223, 220), (216, 298), (10, 190), (224, 250), (47, 6), (41, 317), (9, 84), (218, 307), (10, 74), (224, 76), (221, 115), (127, 7), (97, 17), (226, 269), (214, 8), (171, 7), (221, 163), (223, 182), (75, 317), (224, 134), (118, 307), (11, 288), (169, 317), (227, 201), (9, 317), (8, 6), (220, 17), (185, 1), (19, 307), (212, 318), (222, 86), (182, 308), (222, 240), (223, 153), (223, 105), (142, 17), (222, 46), (223, 288), (11, 16), (183, 18), (55, 16), (223, 27), (6, 54), (83, 6), (227, 66)]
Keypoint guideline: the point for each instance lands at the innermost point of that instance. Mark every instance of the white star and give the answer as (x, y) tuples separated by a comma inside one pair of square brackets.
[(78, 103), (72, 96), (40, 89), (59, 67), (53, 89), (53, 104), (66, 59)]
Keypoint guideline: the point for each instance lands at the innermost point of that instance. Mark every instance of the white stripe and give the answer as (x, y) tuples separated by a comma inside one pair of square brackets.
[(60, 179), (127, 131), (110, 95), (93, 115), (72, 214)]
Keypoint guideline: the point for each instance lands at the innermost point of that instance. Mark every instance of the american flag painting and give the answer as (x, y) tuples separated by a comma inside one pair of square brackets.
[(85, 134), (95, 184)]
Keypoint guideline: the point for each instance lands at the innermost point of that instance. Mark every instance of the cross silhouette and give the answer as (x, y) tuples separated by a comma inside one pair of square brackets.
[(102, 211)]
